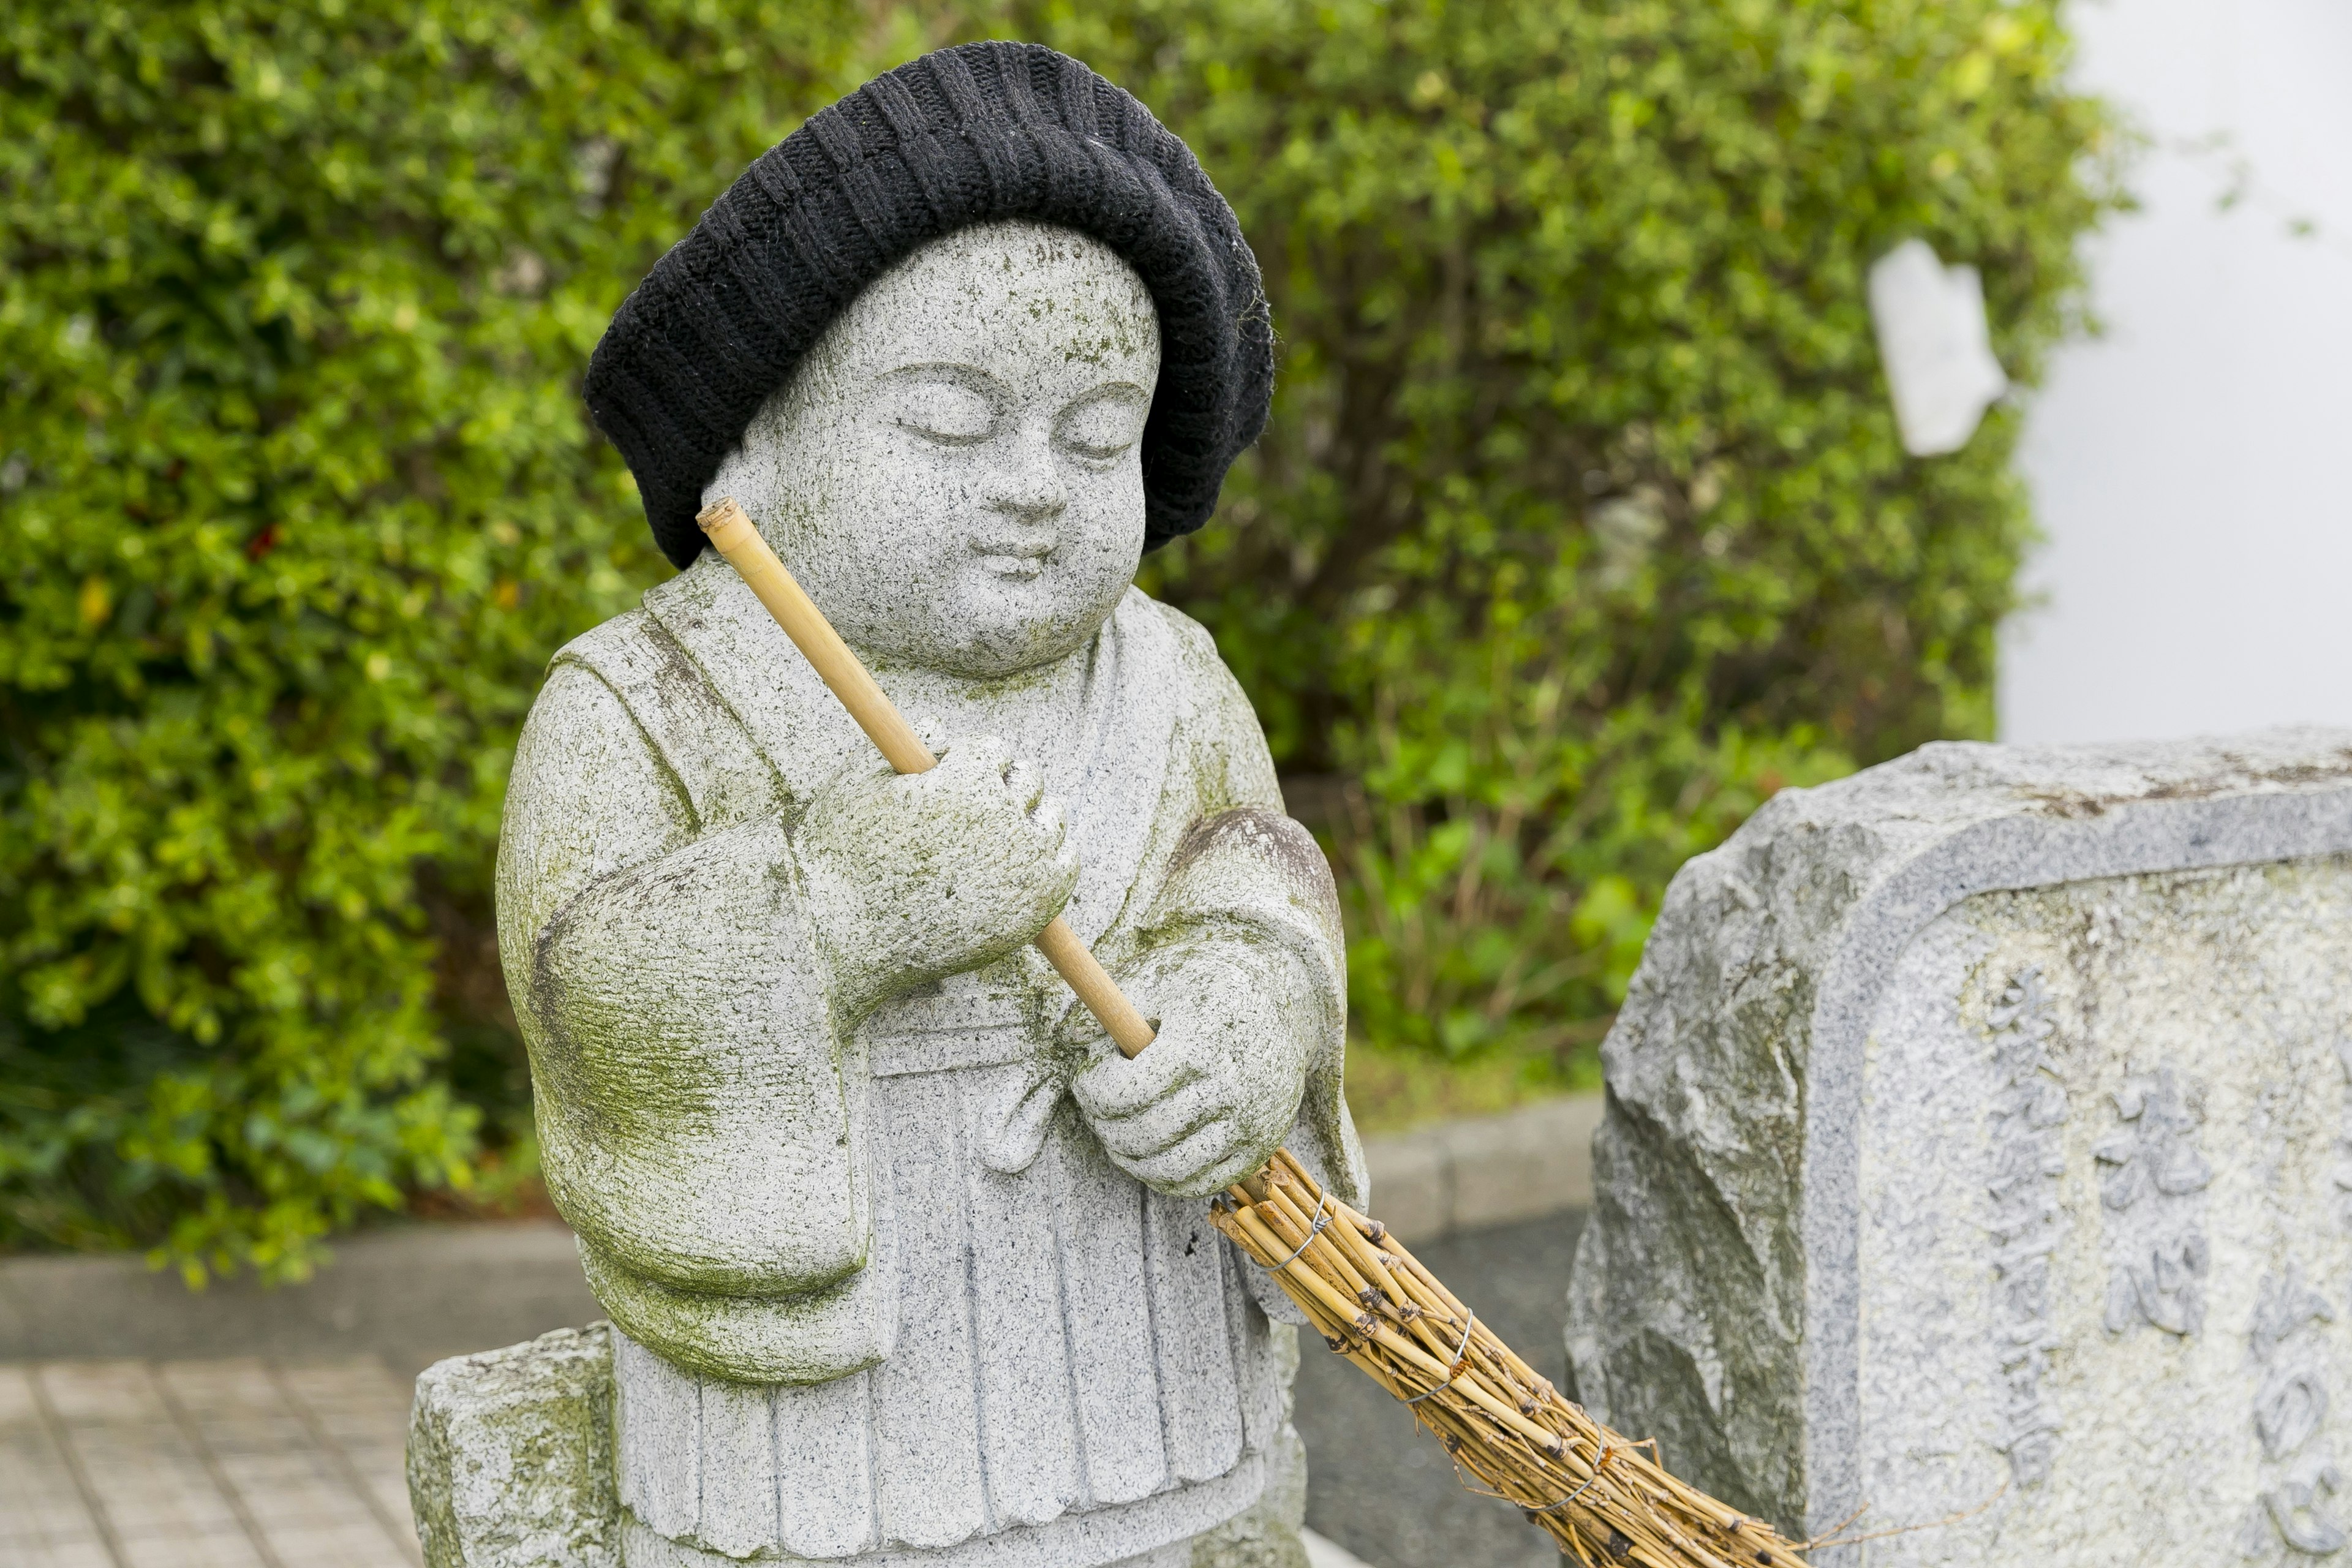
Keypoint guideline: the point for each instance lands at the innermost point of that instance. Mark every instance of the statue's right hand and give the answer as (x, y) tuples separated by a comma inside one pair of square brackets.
[(917, 876)]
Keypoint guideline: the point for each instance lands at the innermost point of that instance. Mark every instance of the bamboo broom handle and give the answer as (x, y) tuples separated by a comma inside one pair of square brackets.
[(731, 532)]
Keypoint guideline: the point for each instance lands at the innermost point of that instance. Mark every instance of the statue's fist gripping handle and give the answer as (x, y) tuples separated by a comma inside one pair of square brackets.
[(732, 534)]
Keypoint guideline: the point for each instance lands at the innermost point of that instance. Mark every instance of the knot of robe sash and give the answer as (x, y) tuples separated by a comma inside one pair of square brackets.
[(1019, 1110), (1020, 1084)]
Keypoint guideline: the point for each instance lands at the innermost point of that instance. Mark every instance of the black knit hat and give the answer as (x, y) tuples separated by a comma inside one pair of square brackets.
[(971, 134)]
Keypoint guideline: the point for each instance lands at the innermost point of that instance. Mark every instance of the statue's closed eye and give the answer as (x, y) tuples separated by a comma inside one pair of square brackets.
[(945, 411), (1105, 423)]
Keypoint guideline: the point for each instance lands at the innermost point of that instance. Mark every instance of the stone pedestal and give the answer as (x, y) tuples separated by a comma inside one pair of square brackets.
[(1979, 1138), (511, 1465)]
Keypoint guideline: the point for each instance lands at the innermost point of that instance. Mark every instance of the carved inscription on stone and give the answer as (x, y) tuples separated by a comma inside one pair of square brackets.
[(2290, 1398), (2151, 1181), (2029, 1115), (2290, 1406), (2060, 1142)]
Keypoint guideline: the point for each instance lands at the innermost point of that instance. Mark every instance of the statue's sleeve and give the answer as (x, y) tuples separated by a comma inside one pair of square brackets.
[(1247, 879), (697, 1124)]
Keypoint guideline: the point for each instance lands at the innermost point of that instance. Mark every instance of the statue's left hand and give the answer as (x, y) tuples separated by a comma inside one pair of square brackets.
[(1211, 1098)]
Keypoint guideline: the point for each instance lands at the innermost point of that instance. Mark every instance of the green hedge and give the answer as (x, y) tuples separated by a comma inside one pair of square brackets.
[(1580, 526), (297, 497)]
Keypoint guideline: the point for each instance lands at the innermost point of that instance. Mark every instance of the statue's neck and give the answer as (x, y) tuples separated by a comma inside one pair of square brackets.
[(1034, 711)]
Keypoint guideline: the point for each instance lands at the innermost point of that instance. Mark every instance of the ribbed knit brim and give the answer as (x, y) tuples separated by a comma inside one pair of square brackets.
[(976, 133)]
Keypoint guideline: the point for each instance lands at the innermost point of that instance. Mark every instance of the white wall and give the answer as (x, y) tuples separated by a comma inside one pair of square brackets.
[(2193, 468)]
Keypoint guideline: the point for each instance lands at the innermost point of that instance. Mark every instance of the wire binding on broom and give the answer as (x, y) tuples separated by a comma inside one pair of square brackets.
[(1322, 1218), (1601, 1497), (1598, 1469), (1453, 1367)]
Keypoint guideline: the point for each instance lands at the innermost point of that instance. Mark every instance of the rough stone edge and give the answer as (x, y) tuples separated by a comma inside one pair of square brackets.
[(510, 1459), (1270, 1532), (1901, 843)]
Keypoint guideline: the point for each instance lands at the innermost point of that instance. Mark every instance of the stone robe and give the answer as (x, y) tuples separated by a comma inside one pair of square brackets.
[(882, 1292)]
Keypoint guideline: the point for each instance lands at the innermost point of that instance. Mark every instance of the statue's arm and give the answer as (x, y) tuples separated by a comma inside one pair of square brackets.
[(1242, 959), (695, 1123), (1245, 873), (690, 995)]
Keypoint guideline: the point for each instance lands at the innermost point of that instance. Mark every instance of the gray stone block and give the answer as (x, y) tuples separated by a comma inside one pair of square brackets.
[(1523, 1165), (1268, 1534), (412, 1294), (1484, 1170), (1975, 1140), (510, 1456)]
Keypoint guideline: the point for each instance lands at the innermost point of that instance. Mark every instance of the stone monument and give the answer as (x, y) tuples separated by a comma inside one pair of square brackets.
[(905, 1264), (1979, 1154)]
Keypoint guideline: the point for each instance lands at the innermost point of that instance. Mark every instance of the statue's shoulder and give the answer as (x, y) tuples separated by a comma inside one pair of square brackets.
[(1212, 713), (614, 650), (637, 653), (652, 674), (642, 665), (1191, 639), (1203, 682), (698, 737), (1199, 670)]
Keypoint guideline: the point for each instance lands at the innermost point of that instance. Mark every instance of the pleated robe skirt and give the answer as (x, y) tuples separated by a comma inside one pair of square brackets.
[(1078, 1374)]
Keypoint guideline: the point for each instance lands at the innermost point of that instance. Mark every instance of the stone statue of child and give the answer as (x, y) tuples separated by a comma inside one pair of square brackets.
[(907, 1264)]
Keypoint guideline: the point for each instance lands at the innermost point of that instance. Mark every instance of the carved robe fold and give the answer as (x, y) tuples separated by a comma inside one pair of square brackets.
[(882, 1259)]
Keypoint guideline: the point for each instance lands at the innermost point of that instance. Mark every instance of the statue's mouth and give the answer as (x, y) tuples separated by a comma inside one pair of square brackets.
[(1019, 565)]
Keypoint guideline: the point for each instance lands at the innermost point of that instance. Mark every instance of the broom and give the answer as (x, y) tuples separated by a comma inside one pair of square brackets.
[(1602, 1498)]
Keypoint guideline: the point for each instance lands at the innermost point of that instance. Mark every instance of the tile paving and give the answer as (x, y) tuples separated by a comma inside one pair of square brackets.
[(145, 1427), (239, 1462), (234, 1462)]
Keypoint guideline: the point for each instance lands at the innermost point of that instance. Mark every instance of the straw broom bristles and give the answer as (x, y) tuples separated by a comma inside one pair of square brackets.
[(1599, 1495), (1593, 1490)]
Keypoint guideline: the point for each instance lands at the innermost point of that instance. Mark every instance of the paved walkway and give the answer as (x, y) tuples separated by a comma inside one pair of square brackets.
[(236, 1463), (231, 1463), (295, 1461), (141, 1427)]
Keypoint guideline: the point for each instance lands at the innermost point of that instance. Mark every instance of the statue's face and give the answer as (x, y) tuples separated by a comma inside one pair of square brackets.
[(954, 472)]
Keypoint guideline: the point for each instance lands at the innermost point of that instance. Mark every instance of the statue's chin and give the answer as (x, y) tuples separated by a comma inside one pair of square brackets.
[(978, 645), (996, 660)]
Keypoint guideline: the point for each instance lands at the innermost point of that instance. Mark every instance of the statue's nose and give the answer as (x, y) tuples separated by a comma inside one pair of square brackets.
[(1029, 486)]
